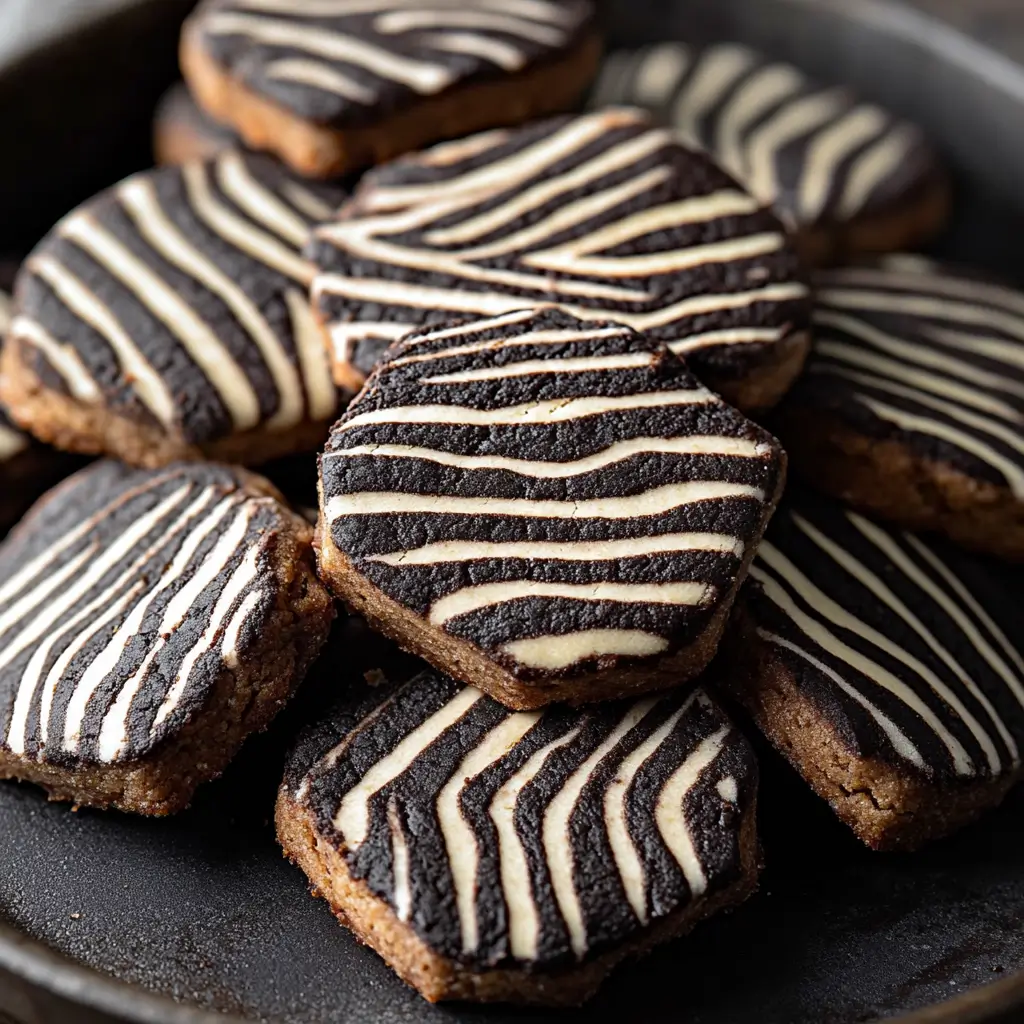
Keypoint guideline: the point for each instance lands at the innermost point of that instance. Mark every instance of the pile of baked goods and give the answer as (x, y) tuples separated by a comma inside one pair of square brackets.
[(542, 317)]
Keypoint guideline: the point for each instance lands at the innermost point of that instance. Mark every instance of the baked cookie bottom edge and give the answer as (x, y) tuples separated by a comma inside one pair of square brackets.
[(438, 978)]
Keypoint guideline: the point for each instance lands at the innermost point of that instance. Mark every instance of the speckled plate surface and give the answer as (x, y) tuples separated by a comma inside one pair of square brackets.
[(197, 917)]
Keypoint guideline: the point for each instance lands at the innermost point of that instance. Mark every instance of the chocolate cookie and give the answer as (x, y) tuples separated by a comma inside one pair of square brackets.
[(546, 508), (182, 132), (846, 176), (604, 215), (337, 86), (912, 407), (880, 673), (149, 621), (489, 855), (168, 318)]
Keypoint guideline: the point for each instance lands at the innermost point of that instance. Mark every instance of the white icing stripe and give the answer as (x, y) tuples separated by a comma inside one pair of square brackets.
[(825, 606), (504, 56), (873, 168), (1011, 470), (882, 592), (304, 71), (1009, 352), (516, 885), (901, 743), (737, 447), (353, 814), (716, 73), (80, 300), (198, 339), (311, 347), (894, 553), (532, 338), (574, 551), (139, 197), (554, 411), (400, 862), (657, 76), (656, 501), (12, 443), (728, 790), (242, 233), (1011, 651), (516, 317), (727, 336), (398, 21), (258, 202), (538, 367), (555, 828), (670, 810), (420, 76), (538, 10), (486, 595), (64, 359), (241, 578), (233, 631), (627, 860), (559, 651), (459, 838), (312, 206)]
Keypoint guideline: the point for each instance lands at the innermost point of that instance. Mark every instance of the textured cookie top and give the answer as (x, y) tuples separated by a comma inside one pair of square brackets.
[(562, 494), (603, 214), (534, 839), (818, 153), (178, 298), (914, 352), (898, 652), (346, 62), (12, 440), (124, 595)]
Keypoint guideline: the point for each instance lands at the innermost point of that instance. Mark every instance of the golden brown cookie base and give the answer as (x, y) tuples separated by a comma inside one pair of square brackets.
[(321, 152), (469, 664), (71, 425), (887, 480), (242, 702), (764, 387), (437, 978), (176, 144), (887, 808), (905, 229)]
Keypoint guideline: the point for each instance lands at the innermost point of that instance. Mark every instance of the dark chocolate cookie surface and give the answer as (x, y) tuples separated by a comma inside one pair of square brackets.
[(820, 155), (561, 495), (168, 317), (346, 63), (604, 214), (917, 373), (525, 842)]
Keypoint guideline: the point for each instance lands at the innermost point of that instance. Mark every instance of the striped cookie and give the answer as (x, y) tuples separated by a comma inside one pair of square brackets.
[(168, 319), (491, 855), (547, 508), (150, 620), (880, 672), (846, 176), (912, 407), (182, 132), (604, 215), (334, 85)]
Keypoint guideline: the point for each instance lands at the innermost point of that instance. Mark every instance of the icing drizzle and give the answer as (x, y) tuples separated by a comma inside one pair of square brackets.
[(909, 350), (123, 597), (179, 298), (558, 492), (340, 61), (892, 646), (816, 153), (602, 214), (536, 838)]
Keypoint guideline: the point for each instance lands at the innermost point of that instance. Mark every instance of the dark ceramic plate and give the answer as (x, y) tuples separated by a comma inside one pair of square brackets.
[(166, 921)]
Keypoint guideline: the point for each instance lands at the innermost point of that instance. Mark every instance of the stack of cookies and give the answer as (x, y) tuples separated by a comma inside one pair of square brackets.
[(543, 355)]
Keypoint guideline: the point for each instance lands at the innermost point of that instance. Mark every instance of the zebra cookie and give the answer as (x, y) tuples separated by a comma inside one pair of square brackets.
[(912, 408), (182, 132), (150, 620), (604, 215), (333, 87), (546, 508), (491, 855), (846, 176), (168, 318), (875, 663)]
